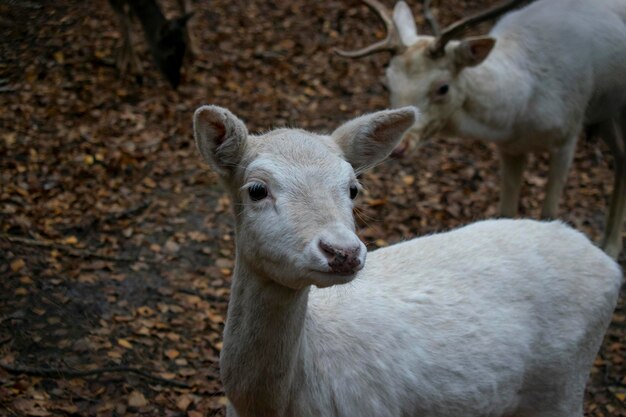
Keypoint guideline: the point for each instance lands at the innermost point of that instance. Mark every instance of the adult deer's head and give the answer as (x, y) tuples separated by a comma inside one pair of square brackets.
[(424, 70)]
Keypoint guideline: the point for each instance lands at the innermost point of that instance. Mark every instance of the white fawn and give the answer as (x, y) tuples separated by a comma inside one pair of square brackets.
[(542, 74), (499, 318)]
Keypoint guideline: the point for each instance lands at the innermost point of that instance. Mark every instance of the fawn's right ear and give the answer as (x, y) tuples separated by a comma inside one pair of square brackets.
[(220, 137), (368, 139)]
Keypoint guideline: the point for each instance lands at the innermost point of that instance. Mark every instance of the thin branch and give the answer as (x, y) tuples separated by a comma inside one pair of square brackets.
[(129, 213), (212, 298), (18, 315), (430, 18), (460, 26), (391, 42), (78, 253), (70, 374)]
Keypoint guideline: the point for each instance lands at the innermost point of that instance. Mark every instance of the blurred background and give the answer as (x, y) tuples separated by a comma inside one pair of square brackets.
[(116, 242)]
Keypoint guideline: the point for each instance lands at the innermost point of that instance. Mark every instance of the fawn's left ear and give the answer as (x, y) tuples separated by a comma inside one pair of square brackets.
[(220, 137), (369, 139)]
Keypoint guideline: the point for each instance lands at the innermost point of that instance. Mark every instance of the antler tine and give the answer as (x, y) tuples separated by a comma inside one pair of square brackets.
[(437, 48), (428, 15), (390, 43)]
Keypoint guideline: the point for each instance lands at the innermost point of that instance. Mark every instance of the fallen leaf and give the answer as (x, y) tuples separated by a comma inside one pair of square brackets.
[(17, 264), (137, 400), (172, 247), (183, 402), (20, 291), (172, 353), (25, 280), (70, 240), (59, 57), (377, 202), (124, 343)]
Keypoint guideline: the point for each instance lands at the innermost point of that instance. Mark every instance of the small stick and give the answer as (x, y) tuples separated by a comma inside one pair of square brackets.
[(70, 374), (78, 253)]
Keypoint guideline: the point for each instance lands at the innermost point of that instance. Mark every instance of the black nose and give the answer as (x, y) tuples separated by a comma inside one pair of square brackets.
[(341, 259)]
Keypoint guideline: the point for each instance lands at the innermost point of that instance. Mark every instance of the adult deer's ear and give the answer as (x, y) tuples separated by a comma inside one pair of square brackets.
[(220, 137), (369, 139), (405, 23), (472, 51)]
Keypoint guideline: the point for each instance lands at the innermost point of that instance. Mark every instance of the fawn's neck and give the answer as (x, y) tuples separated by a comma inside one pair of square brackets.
[(263, 342)]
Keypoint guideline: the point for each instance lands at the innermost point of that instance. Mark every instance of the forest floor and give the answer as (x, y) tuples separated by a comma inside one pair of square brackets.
[(116, 242)]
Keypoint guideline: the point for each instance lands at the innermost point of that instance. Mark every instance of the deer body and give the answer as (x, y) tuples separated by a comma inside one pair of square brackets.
[(427, 331), (526, 97), (493, 319), (168, 40), (543, 74)]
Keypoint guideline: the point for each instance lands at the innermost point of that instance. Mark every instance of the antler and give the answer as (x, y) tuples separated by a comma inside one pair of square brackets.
[(432, 22), (390, 43), (437, 48)]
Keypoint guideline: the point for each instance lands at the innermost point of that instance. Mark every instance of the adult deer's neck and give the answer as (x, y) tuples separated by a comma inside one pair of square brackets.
[(496, 92), (263, 341), (150, 16)]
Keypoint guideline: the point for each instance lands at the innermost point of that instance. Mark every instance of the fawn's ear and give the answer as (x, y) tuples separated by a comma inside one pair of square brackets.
[(369, 139), (220, 137)]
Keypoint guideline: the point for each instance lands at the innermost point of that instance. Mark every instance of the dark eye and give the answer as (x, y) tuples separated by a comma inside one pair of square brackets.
[(443, 90), (257, 192), (353, 191)]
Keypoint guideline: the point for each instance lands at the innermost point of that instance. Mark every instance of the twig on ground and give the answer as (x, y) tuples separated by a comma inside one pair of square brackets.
[(76, 252), (18, 315), (207, 297), (129, 213), (70, 374)]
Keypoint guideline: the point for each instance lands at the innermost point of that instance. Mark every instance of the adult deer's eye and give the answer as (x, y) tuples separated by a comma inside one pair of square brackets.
[(353, 191), (443, 89), (257, 192)]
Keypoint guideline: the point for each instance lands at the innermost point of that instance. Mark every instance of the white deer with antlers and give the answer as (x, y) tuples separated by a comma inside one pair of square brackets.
[(544, 73)]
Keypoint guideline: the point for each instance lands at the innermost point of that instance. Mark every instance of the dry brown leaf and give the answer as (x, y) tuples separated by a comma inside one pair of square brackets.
[(124, 343), (70, 240), (183, 402), (21, 291), (17, 264), (137, 400), (172, 353)]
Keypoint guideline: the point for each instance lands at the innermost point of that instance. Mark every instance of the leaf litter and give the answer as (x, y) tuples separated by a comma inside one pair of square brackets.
[(116, 242)]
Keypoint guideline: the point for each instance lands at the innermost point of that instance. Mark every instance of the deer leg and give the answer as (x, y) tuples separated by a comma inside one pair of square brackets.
[(192, 44), (126, 57), (615, 137), (560, 162), (511, 167)]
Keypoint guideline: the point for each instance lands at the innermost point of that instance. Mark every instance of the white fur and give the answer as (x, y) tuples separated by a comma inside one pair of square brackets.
[(557, 66), (499, 318)]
